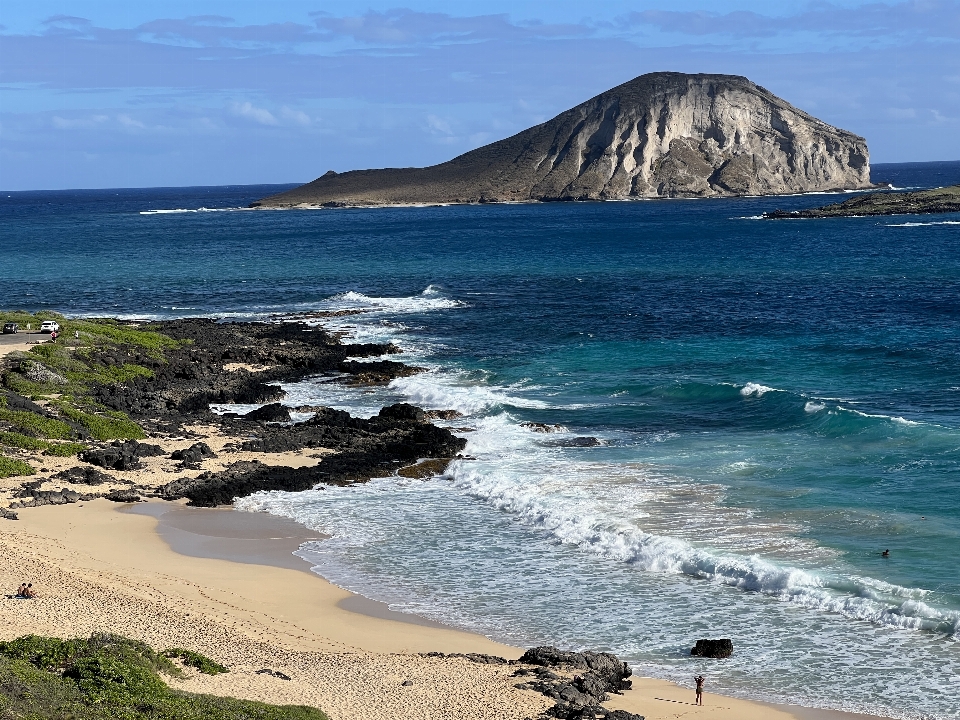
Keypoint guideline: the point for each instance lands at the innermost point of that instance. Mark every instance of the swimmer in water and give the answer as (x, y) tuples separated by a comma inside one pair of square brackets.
[(885, 553)]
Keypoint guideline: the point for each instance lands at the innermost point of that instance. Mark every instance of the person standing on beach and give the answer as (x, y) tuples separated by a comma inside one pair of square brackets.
[(699, 680)]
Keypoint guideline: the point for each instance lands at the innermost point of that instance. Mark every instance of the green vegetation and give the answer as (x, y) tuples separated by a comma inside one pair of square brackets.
[(107, 426), (89, 353), (196, 660), (109, 677), (11, 467), (24, 442), (27, 442), (37, 425), (67, 449)]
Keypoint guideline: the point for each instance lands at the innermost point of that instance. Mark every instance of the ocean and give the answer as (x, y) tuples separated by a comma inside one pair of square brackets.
[(682, 421)]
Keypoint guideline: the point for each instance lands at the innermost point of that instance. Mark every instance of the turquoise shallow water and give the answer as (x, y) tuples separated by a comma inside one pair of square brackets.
[(773, 404)]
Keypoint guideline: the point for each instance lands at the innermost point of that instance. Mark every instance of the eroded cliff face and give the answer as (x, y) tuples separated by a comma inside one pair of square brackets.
[(659, 135)]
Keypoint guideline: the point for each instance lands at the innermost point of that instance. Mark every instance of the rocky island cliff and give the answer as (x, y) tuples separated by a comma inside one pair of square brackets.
[(662, 134)]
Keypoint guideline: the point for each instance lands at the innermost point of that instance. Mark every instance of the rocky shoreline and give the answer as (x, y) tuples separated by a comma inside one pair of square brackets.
[(923, 202), (234, 362)]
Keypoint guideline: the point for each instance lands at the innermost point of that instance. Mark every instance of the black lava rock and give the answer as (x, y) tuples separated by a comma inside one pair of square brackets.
[(274, 412), (83, 476), (121, 455), (125, 496), (194, 454), (713, 648)]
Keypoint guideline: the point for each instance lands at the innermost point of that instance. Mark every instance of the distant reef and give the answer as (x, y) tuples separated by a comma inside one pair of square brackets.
[(660, 135), (923, 202)]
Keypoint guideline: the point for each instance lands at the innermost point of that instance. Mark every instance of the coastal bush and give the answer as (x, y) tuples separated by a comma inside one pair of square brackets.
[(35, 391), (107, 426), (11, 467), (196, 660), (44, 653), (108, 374), (113, 677), (101, 331), (37, 425), (67, 449), (25, 442)]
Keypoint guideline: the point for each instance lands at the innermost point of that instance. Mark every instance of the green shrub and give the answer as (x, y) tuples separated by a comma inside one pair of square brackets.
[(108, 426), (10, 467), (36, 424), (108, 374), (19, 440), (67, 449), (43, 652), (20, 385), (111, 677), (196, 660), (107, 330)]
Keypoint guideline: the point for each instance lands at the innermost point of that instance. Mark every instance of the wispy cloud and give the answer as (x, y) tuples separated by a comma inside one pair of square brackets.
[(251, 112), (408, 27), (915, 18)]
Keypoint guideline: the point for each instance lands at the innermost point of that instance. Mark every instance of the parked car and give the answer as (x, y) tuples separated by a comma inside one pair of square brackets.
[(10, 327), (50, 326)]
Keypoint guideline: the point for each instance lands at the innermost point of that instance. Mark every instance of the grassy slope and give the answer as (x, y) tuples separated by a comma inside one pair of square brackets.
[(62, 373), (109, 676)]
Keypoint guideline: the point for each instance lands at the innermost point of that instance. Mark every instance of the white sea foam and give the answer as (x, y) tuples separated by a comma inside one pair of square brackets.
[(443, 391), (924, 224), (813, 407), (429, 300), (177, 211), (752, 388), (572, 519), (878, 416)]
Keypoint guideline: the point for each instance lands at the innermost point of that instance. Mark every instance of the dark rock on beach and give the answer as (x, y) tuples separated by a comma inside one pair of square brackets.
[(121, 455), (274, 412), (84, 476), (124, 496), (713, 648), (579, 697), (481, 658), (368, 448), (192, 456), (30, 495)]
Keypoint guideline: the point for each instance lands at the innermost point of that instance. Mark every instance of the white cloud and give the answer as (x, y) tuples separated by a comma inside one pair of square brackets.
[(296, 116), (902, 113), (439, 125), (129, 122), (83, 122), (252, 112)]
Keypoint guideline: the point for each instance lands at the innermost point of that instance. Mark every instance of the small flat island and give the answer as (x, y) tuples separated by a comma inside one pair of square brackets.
[(922, 202)]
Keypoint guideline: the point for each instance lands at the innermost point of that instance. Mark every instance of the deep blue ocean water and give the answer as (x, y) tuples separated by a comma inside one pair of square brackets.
[(775, 404)]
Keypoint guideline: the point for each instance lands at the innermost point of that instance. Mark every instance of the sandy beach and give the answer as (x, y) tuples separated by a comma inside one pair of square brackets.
[(226, 584)]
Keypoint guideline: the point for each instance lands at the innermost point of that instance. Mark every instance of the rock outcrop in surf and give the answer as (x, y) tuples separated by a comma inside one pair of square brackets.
[(662, 134)]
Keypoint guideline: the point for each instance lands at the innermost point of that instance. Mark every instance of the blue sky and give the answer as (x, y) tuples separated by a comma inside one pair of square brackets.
[(148, 93)]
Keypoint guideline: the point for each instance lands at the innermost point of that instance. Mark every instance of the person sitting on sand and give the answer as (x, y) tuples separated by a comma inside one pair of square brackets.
[(28, 591), (699, 680), (21, 590)]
